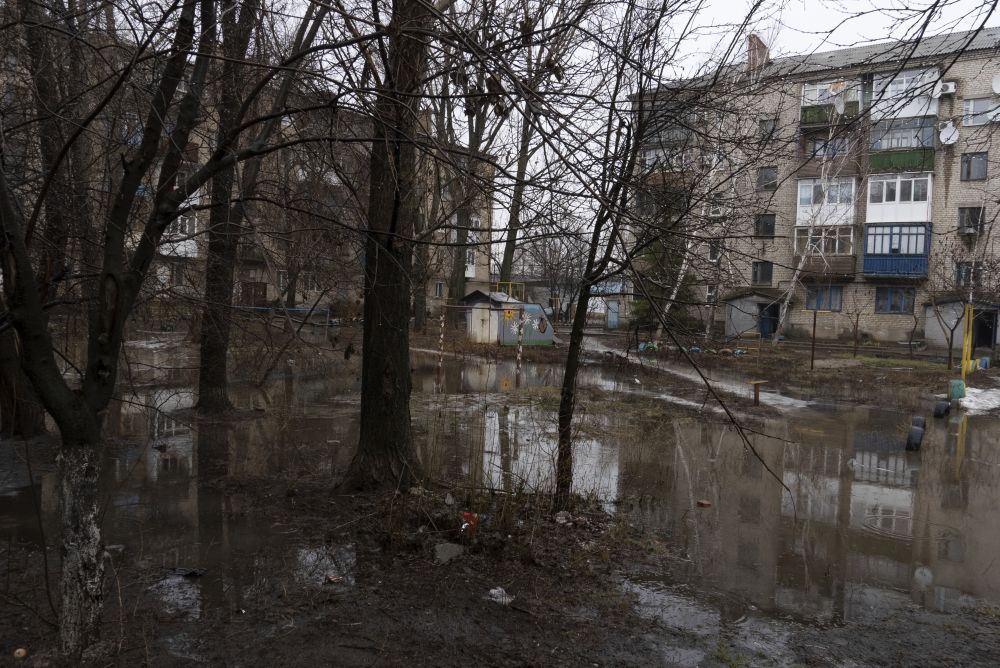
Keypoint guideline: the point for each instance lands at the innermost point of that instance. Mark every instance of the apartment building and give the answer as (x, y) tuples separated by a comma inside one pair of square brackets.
[(861, 183)]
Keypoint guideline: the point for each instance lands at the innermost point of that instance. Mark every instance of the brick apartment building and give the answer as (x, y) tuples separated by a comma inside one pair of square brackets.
[(860, 182)]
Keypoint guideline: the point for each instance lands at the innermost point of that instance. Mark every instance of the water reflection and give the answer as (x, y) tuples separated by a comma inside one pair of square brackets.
[(839, 522)]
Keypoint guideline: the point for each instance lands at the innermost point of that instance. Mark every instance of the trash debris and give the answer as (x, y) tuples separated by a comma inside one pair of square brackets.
[(449, 500), (725, 351), (470, 521), (694, 349), (445, 552), (704, 503), (333, 578), (636, 381), (563, 517), (416, 491), (647, 346), (740, 351), (498, 595), (21, 653)]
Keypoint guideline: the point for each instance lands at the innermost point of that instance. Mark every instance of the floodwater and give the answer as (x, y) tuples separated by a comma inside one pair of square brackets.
[(838, 523)]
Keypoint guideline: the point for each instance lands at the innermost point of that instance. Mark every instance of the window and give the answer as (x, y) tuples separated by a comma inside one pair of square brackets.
[(768, 127), (968, 274), (764, 225), (894, 299), (711, 292), (183, 226), (824, 92), (282, 280), (130, 130), (970, 219), (470, 257), (176, 274), (824, 241), (977, 110), (813, 192), (767, 178), (906, 84), (820, 147), (714, 250), (899, 188), (902, 134), (897, 240), (439, 289), (973, 167), (761, 273), (824, 298)]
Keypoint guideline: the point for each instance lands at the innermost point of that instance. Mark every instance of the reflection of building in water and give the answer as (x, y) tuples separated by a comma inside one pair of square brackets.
[(865, 527)]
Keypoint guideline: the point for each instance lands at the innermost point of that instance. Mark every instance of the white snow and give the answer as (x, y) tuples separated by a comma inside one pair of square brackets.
[(980, 400)]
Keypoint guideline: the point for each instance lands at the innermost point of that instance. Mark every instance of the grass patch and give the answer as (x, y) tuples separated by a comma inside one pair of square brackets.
[(889, 362)]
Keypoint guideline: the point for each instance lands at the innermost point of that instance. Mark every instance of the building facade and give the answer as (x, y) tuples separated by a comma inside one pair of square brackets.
[(860, 183)]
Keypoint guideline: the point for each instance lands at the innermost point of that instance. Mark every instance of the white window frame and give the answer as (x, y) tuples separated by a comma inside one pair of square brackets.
[(815, 94), (825, 241), (973, 112), (907, 182)]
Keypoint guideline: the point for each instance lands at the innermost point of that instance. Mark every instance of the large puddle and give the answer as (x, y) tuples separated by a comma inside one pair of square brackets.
[(848, 526)]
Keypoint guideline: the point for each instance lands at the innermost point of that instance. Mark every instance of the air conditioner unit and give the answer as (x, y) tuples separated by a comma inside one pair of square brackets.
[(949, 87), (967, 229)]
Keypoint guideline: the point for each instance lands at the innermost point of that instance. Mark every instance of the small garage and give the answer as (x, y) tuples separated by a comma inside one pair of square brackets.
[(495, 318), (752, 313)]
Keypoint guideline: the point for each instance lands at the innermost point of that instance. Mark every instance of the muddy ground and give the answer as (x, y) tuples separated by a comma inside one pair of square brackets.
[(288, 569)]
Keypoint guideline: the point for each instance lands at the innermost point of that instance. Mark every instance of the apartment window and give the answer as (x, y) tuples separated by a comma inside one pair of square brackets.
[(470, 257), (308, 282), (767, 178), (826, 147), (176, 274), (714, 250), (968, 274), (282, 280), (825, 298), (894, 299), (130, 130), (761, 273), (821, 93), (899, 188), (813, 192), (183, 226), (764, 225), (439, 289), (711, 292), (824, 241), (768, 127), (977, 110), (903, 134), (905, 84), (970, 219), (897, 240), (973, 167)]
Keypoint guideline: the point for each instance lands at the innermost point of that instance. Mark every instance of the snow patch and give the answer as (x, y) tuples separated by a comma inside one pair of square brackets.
[(980, 400)]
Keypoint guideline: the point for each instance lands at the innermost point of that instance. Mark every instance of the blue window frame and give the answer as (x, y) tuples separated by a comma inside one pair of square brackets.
[(895, 299), (824, 298)]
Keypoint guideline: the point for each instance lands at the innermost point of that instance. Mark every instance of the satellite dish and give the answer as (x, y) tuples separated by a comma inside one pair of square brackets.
[(949, 133), (996, 84), (838, 103), (937, 90)]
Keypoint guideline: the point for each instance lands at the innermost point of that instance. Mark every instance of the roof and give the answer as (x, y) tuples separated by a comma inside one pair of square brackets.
[(498, 298), (886, 52)]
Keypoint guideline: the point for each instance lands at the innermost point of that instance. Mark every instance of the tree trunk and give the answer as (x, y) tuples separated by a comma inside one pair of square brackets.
[(217, 314), (385, 454), (517, 199), (21, 413), (82, 579), (567, 400), (456, 282)]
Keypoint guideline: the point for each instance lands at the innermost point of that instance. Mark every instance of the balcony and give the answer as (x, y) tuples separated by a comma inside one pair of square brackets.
[(817, 267), (825, 114), (898, 266), (907, 160)]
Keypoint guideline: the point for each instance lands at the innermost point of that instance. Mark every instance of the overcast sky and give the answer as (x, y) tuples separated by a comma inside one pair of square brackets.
[(805, 26)]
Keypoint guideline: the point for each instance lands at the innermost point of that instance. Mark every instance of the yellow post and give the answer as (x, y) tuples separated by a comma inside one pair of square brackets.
[(967, 340)]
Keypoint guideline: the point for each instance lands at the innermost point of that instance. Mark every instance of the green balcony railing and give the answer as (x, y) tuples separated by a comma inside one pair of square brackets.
[(825, 114), (907, 160)]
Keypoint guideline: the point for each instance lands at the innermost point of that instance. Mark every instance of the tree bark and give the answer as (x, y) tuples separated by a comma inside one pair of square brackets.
[(567, 400), (82, 580), (385, 454), (21, 413)]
